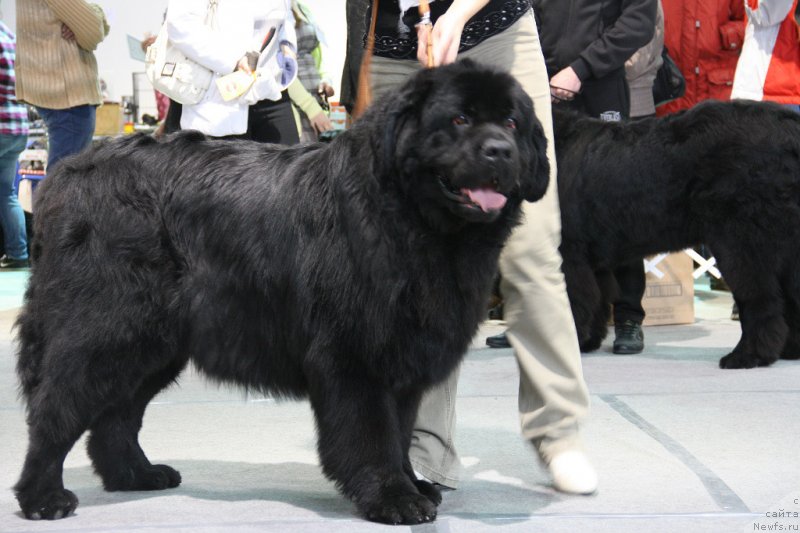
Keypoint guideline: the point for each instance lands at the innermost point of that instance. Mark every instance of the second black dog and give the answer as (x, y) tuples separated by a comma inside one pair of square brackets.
[(723, 174)]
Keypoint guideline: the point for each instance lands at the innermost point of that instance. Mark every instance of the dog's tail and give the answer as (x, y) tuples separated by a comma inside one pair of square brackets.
[(30, 348)]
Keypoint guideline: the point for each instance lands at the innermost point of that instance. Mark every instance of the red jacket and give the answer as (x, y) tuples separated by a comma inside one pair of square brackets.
[(769, 67), (705, 38)]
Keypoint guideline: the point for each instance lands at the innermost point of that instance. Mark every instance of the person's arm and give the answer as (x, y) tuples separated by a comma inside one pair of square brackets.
[(646, 60), (188, 32), (731, 32), (86, 21), (768, 12), (446, 32), (306, 102), (633, 29)]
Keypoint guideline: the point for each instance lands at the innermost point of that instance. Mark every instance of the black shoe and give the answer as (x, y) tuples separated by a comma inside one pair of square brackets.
[(630, 338), (7, 263), (498, 341)]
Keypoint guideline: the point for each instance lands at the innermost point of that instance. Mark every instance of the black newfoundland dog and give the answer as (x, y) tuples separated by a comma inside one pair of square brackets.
[(723, 174), (353, 274)]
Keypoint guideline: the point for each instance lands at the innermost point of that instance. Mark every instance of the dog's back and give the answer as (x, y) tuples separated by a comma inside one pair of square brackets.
[(706, 167), (134, 237)]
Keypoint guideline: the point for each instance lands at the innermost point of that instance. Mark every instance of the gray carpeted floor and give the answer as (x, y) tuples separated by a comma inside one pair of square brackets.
[(679, 444)]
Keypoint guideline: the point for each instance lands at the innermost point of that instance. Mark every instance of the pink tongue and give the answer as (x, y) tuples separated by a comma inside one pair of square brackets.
[(488, 199)]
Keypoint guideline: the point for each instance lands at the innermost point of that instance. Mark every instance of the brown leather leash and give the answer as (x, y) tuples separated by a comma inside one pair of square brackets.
[(364, 95), (427, 27)]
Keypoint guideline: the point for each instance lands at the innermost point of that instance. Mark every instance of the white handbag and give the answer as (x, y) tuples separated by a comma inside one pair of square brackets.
[(172, 73)]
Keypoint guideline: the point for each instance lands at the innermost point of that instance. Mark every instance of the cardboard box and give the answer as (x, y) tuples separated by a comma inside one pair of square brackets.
[(108, 119), (338, 116), (669, 293)]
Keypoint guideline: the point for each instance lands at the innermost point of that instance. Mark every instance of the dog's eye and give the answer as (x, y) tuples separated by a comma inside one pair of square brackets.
[(461, 120), (511, 123)]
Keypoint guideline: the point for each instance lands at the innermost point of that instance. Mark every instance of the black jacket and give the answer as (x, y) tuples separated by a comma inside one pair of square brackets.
[(594, 37)]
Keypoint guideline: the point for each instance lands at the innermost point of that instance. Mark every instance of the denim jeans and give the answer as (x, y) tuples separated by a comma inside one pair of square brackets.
[(793, 107), (11, 215), (69, 130)]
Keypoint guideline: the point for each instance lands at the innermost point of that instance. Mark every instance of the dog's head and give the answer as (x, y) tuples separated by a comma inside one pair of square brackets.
[(464, 143)]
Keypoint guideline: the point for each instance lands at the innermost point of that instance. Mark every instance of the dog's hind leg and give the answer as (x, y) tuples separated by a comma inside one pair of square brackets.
[(791, 348), (85, 369), (609, 291), (764, 334), (52, 433), (55, 415), (586, 301), (114, 441), (791, 286), (361, 445), (61, 403), (756, 289)]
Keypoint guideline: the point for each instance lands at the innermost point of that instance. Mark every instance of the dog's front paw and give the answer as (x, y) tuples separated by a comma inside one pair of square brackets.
[(155, 477), (58, 503), (408, 508), (429, 490), (160, 477), (590, 344), (742, 360)]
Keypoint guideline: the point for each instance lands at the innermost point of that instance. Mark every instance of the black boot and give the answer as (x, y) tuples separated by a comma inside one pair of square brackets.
[(498, 341), (629, 338)]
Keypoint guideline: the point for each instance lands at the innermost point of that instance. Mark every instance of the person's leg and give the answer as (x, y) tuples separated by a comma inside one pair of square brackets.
[(68, 130), (273, 122), (432, 452), (172, 122), (607, 98), (553, 396), (12, 217), (388, 74), (628, 311)]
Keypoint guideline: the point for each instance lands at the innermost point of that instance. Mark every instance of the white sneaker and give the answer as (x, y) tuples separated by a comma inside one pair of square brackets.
[(422, 477), (573, 473)]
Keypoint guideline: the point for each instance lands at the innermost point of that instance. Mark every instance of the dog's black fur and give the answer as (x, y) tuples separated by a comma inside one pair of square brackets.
[(354, 274), (723, 174)]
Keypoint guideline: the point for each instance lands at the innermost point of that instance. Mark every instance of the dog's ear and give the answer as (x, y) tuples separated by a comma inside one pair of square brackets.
[(534, 184), (403, 105)]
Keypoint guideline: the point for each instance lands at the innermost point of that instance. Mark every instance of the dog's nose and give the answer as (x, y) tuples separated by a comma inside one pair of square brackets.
[(497, 151)]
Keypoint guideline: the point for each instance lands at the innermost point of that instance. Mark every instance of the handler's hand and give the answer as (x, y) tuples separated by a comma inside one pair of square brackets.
[(247, 63), (565, 85), (446, 37), (325, 87), (321, 122), (147, 41), (66, 33)]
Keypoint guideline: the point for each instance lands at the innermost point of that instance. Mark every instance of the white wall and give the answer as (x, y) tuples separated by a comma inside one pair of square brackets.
[(137, 17)]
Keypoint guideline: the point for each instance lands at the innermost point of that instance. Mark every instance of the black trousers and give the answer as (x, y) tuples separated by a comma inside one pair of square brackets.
[(272, 122), (267, 121), (607, 98), (631, 281)]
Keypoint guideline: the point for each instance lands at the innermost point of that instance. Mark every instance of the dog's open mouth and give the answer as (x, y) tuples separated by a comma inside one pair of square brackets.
[(486, 198)]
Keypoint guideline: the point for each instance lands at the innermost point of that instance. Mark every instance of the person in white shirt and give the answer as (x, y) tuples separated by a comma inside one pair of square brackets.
[(255, 37)]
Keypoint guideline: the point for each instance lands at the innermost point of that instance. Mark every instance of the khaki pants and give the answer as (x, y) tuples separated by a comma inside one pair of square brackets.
[(552, 393)]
